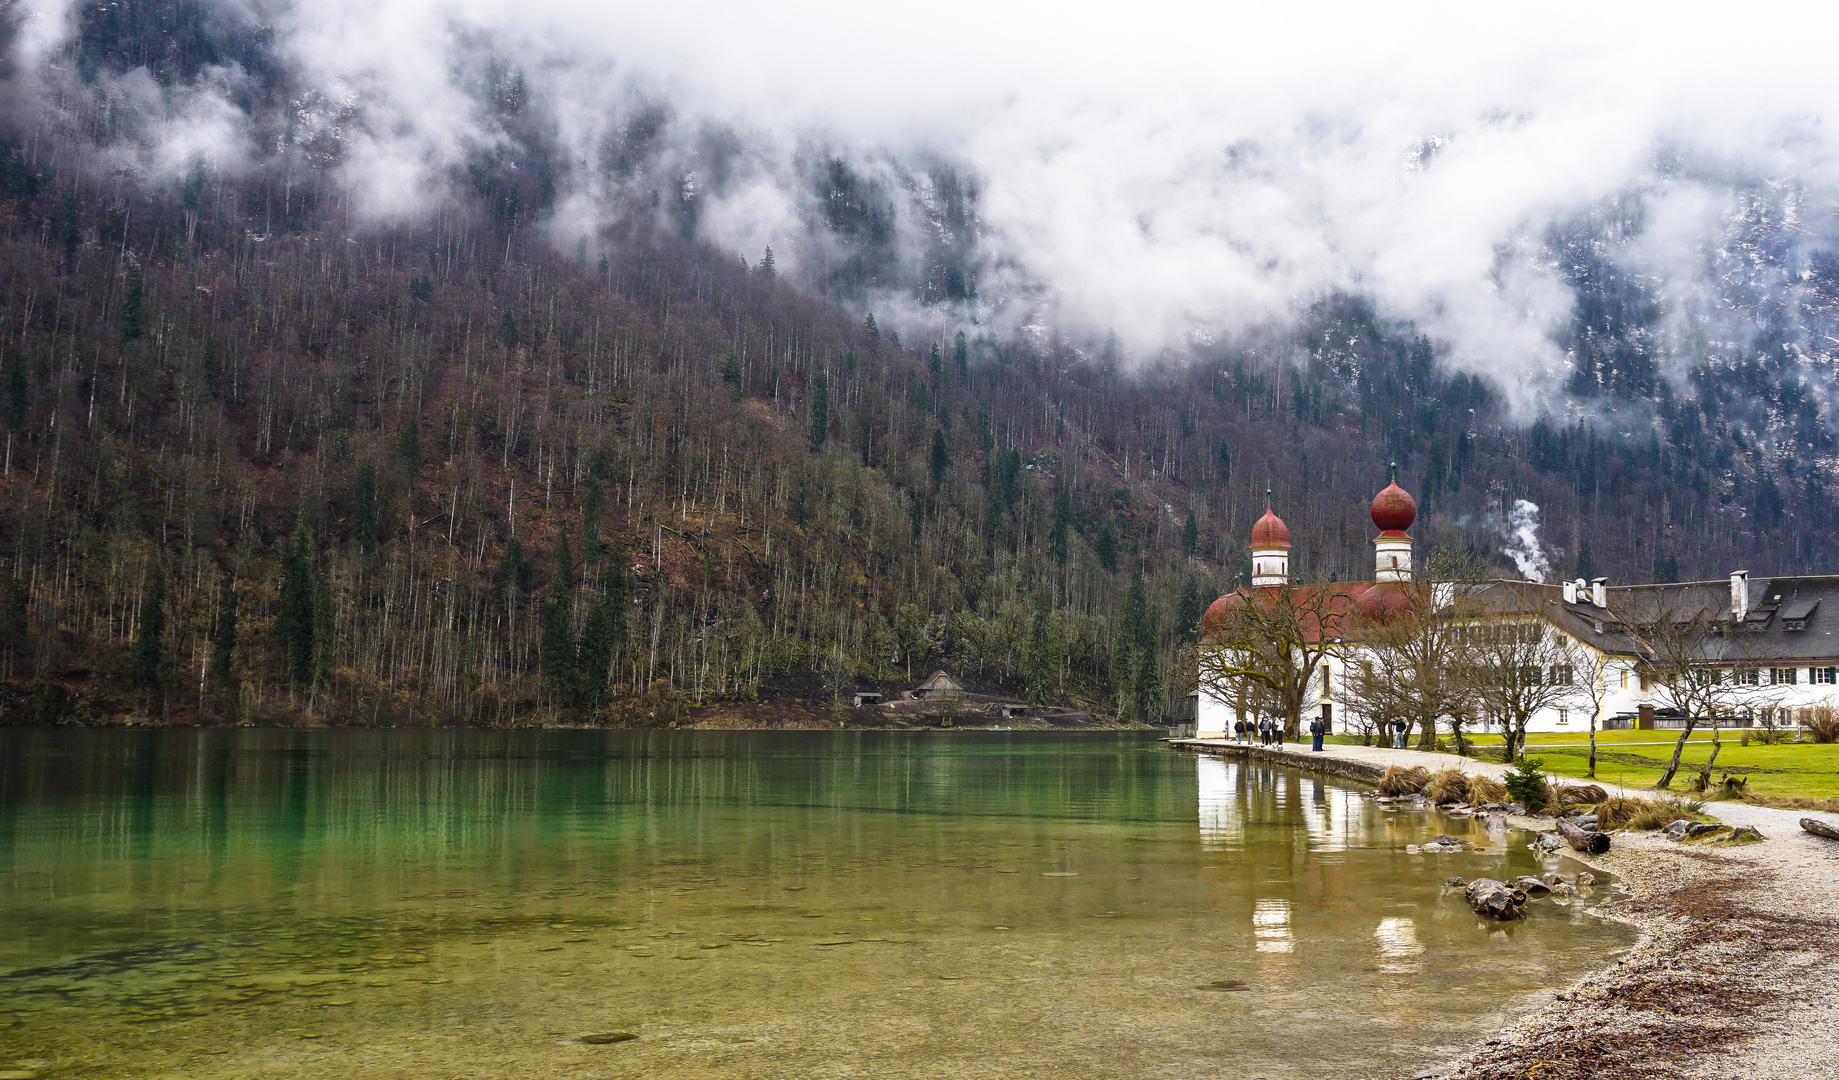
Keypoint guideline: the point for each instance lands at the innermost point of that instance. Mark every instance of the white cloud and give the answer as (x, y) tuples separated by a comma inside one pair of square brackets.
[(1162, 170)]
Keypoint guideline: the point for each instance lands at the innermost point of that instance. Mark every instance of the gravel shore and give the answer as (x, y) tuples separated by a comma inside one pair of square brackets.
[(1735, 975)]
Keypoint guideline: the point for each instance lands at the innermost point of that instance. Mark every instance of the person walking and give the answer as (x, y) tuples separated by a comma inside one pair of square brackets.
[(1264, 731), (1277, 727), (1399, 727), (1315, 734)]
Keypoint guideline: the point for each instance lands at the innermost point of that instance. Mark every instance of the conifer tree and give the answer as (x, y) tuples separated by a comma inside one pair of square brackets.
[(1063, 521), (869, 325), (408, 447), (961, 356), (941, 459), (820, 413), (18, 390), (767, 268), (507, 330), (556, 652), (594, 655), (1190, 536), (223, 639), (149, 645), (1586, 562), (1040, 663), (131, 301), (1106, 546), (294, 622)]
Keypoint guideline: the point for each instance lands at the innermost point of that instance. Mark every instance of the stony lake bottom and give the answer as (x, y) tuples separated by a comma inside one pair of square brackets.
[(242, 903)]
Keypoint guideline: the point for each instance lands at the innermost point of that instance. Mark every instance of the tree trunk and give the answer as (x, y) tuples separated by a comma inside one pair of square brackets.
[(1679, 748), (1820, 828), (1588, 841), (1593, 745)]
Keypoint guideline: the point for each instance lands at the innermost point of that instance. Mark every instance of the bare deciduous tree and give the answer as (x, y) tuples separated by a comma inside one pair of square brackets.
[(1273, 643)]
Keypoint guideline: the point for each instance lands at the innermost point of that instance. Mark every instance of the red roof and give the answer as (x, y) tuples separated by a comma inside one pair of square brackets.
[(1394, 509), (1270, 532), (1342, 597)]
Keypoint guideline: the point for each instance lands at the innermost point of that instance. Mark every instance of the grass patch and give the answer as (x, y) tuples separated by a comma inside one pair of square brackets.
[(1777, 775)]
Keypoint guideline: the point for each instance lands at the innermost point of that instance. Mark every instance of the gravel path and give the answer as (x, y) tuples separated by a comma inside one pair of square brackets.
[(1736, 974)]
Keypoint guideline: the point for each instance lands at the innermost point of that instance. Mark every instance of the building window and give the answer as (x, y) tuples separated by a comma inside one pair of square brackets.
[(1562, 675), (1564, 716), (1782, 676), (1748, 676), (1823, 676), (1625, 679), (1327, 687)]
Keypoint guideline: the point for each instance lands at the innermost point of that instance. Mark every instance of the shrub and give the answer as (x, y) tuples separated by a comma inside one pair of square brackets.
[(1448, 785), (1397, 781), (1527, 786), (1486, 789), (1822, 722)]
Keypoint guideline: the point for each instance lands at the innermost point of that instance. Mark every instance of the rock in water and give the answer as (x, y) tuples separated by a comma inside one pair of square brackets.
[(1820, 828), (1495, 899), (1530, 885), (1455, 883), (1561, 891), (1586, 878), (606, 1037)]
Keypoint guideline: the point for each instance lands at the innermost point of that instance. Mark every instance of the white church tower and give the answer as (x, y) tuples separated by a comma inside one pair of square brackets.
[(1270, 549)]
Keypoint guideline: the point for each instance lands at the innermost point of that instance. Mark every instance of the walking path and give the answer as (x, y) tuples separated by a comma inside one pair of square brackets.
[(1771, 821), (1734, 975)]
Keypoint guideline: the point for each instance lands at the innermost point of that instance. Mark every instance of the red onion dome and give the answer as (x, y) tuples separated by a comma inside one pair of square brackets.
[(1394, 509), (1270, 532), (1385, 601)]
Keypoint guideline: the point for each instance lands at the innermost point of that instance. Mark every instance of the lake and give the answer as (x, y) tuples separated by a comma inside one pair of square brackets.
[(239, 903)]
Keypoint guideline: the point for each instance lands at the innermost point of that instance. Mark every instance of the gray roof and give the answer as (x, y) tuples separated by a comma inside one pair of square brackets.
[(1784, 625)]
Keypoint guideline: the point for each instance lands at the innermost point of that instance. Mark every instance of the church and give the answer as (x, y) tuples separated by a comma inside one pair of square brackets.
[(1775, 641)]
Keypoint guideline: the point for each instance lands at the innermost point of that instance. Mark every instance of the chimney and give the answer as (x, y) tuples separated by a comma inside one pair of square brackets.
[(1570, 592), (1599, 592), (1739, 593)]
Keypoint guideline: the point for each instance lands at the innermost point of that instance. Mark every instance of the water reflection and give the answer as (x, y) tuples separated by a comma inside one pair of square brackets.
[(1271, 927), (1399, 949), (223, 904)]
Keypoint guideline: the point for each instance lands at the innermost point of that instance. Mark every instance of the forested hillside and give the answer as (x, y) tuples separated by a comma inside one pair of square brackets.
[(265, 463)]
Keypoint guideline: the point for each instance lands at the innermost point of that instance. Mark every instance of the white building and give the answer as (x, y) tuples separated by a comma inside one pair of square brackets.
[(1776, 638)]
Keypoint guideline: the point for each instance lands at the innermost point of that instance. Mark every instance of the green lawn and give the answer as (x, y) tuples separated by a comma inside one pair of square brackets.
[(1636, 759)]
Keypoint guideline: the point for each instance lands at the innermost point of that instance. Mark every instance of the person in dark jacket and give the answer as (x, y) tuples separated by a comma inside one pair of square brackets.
[(1315, 733)]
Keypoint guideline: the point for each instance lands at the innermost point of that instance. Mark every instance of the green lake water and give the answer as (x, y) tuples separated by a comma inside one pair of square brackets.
[(252, 903)]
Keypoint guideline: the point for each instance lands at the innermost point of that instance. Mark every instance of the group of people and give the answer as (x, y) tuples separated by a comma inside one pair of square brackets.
[(1269, 730)]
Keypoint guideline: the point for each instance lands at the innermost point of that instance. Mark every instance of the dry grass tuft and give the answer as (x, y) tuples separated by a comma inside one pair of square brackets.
[(1576, 795), (1397, 781), (1644, 814), (1486, 789), (1448, 785)]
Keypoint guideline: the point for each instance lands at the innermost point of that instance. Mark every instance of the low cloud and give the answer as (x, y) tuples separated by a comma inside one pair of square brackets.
[(1164, 174)]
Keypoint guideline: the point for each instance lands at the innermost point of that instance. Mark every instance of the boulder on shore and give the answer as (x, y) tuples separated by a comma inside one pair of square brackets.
[(1495, 899)]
